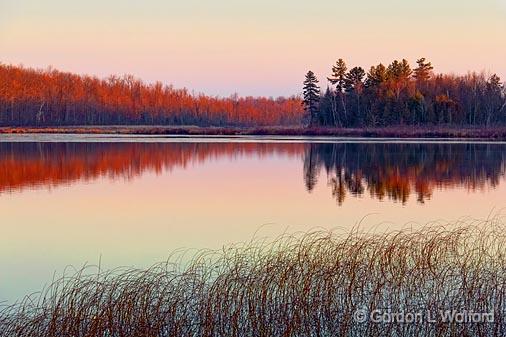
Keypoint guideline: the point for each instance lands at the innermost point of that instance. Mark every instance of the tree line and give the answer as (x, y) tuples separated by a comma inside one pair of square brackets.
[(399, 95), (30, 97), (386, 95)]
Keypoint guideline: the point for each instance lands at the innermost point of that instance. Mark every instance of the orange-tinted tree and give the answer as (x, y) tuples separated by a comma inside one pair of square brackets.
[(50, 97)]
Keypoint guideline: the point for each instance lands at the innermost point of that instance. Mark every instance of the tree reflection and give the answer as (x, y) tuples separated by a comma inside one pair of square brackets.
[(394, 171), (30, 165), (385, 171)]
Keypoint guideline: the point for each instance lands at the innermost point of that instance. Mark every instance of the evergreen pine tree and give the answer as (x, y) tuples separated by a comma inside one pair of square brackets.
[(311, 93), (376, 75), (338, 75), (354, 79), (354, 84), (326, 113), (423, 71), (399, 70), (338, 79)]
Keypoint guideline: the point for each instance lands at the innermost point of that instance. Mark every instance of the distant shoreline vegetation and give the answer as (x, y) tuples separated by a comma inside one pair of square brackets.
[(393, 96), (495, 133), (399, 95)]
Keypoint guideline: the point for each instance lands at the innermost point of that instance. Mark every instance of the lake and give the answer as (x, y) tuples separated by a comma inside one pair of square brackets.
[(70, 200)]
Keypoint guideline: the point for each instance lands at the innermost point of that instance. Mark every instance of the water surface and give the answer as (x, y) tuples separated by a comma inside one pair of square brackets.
[(130, 201)]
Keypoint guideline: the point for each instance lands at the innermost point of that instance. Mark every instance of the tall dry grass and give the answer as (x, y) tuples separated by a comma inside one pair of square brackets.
[(298, 285)]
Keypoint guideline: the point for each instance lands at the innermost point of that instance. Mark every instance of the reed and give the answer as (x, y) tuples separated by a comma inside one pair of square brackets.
[(308, 284)]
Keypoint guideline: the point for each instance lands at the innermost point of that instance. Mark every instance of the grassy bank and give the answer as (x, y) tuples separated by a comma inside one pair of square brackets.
[(495, 133), (302, 285)]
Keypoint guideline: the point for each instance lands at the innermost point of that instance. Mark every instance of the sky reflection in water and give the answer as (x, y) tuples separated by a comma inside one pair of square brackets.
[(132, 203)]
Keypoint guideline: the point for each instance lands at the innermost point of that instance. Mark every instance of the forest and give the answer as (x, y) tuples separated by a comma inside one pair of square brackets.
[(385, 96), (30, 97), (399, 95)]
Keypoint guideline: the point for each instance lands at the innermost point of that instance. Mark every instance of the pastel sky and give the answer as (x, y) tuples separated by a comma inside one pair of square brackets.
[(252, 47)]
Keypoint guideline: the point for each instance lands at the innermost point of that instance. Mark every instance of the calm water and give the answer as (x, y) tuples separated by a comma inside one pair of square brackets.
[(130, 201)]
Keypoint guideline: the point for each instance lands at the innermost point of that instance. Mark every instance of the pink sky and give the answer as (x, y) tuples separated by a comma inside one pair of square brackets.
[(249, 47)]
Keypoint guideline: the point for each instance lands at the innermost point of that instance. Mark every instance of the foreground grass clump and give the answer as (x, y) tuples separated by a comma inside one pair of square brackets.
[(304, 285)]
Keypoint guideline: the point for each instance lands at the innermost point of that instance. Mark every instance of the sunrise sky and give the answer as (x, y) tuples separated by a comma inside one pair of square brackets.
[(259, 47)]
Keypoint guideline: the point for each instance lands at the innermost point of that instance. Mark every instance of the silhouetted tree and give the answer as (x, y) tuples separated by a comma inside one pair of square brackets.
[(354, 84), (326, 109), (495, 101), (377, 75), (423, 72), (354, 79), (399, 70), (338, 78), (398, 95), (311, 93)]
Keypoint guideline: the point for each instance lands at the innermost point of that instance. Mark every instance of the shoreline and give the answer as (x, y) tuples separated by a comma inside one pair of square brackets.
[(491, 133)]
